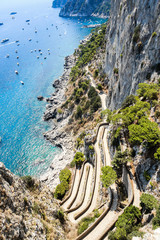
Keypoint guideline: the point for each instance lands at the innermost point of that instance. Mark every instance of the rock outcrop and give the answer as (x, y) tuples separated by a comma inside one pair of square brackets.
[(27, 209), (133, 47), (58, 3), (83, 8)]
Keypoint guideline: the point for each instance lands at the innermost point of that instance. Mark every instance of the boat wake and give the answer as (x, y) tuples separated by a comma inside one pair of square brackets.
[(7, 44)]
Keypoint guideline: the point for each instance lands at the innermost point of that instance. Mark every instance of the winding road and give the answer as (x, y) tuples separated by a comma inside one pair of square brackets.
[(83, 198)]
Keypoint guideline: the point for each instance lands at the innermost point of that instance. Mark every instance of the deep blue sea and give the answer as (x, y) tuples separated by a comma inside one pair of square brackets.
[(23, 148)]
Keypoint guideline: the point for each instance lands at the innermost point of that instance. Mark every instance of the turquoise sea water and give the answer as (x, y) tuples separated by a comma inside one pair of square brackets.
[(23, 148)]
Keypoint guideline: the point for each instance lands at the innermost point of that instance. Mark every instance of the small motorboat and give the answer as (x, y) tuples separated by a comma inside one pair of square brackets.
[(16, 72), (13, 13), (37, 57), (22, 28), (27, 20), (39, 50), (30, 40), (22, 82), (16, 41), (4, 40), (45, 57), (41, 53), (1, 23), (17, 64), (35, 31), (35, 50), (31, 51), (18, 44), (16, 51), (7, 56), (17, 57)]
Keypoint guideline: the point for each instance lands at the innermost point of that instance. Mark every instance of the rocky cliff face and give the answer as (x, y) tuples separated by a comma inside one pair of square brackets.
[(85, 8), (27, 210), (133, 47), (58, 3)]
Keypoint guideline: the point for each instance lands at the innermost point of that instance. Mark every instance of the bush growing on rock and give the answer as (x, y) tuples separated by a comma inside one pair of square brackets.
[(130, 100), (79, 158), (78, 114), (148, 91), (108, 176), (28, 181), (65, 175), (148, 202), (61, 190), (136, 34), (144, 131), (157, 154), (126, 223), (63, 187), (156, 219), (99, 86), (60, 215)]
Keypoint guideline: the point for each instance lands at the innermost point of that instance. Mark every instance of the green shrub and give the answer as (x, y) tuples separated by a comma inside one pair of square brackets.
[(79, 158), (36, 208), (59, 110), (157, 154), (146, 175), (148, 202), (73, 164), (148, 91), (126, 223), (156, 219), (95, 104), (154, 34), (96, 213), (115, 70), (60, 215), (92, 92), (65, 175), (157, 114), (96, 72), (108, 176), (61, 190), (145, 131), (28, 181), (119, 160), (91, 147), (99, 86), (130, 100), (136, 34), (78, 114), (84, 224)]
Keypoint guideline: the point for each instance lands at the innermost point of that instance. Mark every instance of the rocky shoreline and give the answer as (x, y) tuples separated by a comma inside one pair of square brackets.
[(57, 135)]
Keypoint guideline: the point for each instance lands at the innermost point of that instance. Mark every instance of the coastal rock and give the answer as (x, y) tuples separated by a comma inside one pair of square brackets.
[(58, 3), (56, 83), (50, 114), (82, 8), (40, 98)]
